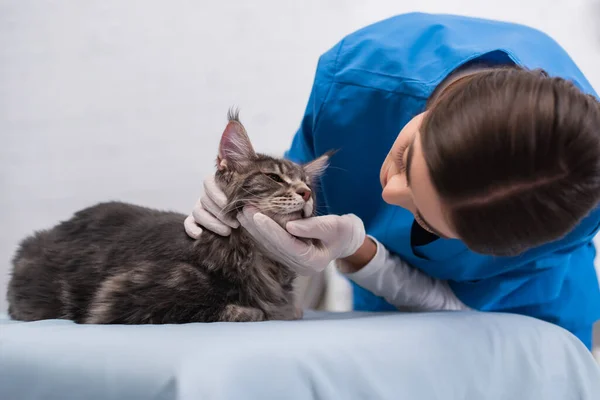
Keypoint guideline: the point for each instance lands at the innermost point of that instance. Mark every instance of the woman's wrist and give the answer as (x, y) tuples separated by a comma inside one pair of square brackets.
[(360, 258)]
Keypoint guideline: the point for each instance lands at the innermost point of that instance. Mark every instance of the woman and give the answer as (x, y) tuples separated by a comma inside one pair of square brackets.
[(496, 171)]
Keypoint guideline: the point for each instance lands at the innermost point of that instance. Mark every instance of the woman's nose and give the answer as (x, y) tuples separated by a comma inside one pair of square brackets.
[(396, 192)]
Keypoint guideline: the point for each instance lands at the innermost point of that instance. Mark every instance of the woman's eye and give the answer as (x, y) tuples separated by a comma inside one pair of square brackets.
[(275, 177), (400, 159)]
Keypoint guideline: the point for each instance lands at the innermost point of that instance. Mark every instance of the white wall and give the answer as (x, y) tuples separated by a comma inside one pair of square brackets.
[(110, 99)]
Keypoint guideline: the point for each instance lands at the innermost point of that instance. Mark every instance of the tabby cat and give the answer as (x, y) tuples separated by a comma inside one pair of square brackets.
[(117, 263)]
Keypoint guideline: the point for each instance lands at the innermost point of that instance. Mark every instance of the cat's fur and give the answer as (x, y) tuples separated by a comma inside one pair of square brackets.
[(121, 263)]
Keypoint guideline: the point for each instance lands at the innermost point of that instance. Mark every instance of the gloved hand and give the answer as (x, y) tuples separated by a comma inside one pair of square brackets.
[(208, 212), (340, 236)]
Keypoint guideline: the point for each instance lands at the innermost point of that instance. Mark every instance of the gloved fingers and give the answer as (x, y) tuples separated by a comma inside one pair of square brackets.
[(357, 234), (324, 228), (273, 232), (191, 228), (208, 221), (270, 234), (246, 220), (212, 190), (341, 235), (304, 258), (216, 211)]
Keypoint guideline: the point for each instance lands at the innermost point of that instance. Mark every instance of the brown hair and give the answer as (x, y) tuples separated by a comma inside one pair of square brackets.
[(514, 156)]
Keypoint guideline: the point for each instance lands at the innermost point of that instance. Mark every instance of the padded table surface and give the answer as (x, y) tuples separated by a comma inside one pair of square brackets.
[(448, 355)]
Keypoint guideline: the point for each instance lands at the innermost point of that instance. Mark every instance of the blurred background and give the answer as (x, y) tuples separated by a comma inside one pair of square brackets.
[(126, 100)]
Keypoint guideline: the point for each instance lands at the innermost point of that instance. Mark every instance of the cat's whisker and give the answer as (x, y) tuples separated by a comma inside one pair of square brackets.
[(338, 168), (227, 209), (270, 209), (232, 205), (249, 192)]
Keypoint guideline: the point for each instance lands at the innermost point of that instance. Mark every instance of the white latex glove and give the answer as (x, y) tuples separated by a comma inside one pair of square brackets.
[(340, 237), (208, 212)]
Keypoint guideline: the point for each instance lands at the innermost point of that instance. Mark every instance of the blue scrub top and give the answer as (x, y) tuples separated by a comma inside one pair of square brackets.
[(366, 88)]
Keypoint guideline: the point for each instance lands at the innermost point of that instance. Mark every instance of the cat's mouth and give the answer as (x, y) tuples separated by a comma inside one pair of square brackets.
[(306, 210)]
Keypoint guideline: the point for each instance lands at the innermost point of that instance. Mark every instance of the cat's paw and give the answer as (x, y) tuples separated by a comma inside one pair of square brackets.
[(235, 313), (299, 313)]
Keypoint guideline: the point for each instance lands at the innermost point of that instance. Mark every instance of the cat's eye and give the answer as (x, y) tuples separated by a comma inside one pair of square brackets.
[(275, 177)]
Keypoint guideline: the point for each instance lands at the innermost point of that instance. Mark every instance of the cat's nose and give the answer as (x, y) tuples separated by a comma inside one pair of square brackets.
[(304, 193)]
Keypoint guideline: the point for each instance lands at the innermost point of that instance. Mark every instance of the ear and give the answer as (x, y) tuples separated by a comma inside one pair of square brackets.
[(315, 168), (235, 148)]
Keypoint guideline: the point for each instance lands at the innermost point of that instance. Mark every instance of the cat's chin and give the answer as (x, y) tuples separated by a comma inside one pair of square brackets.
[(282, 220)]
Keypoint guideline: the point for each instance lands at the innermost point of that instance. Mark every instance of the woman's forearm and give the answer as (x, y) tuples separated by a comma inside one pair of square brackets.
[(386, 275), (362, 257)]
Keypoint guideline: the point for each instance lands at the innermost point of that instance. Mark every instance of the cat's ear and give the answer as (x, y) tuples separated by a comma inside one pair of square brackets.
[(235, 148), (316, 167)]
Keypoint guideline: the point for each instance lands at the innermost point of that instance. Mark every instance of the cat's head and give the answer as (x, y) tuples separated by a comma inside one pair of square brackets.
[(278, 188)]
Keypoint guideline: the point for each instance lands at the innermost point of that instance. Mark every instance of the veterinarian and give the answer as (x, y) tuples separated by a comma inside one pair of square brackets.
[(490, 187)]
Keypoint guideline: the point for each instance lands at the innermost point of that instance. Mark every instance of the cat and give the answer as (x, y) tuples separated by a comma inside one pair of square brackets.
[(117, 263)]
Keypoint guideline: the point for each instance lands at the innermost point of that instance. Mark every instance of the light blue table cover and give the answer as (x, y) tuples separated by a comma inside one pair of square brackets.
[(325, 356)]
